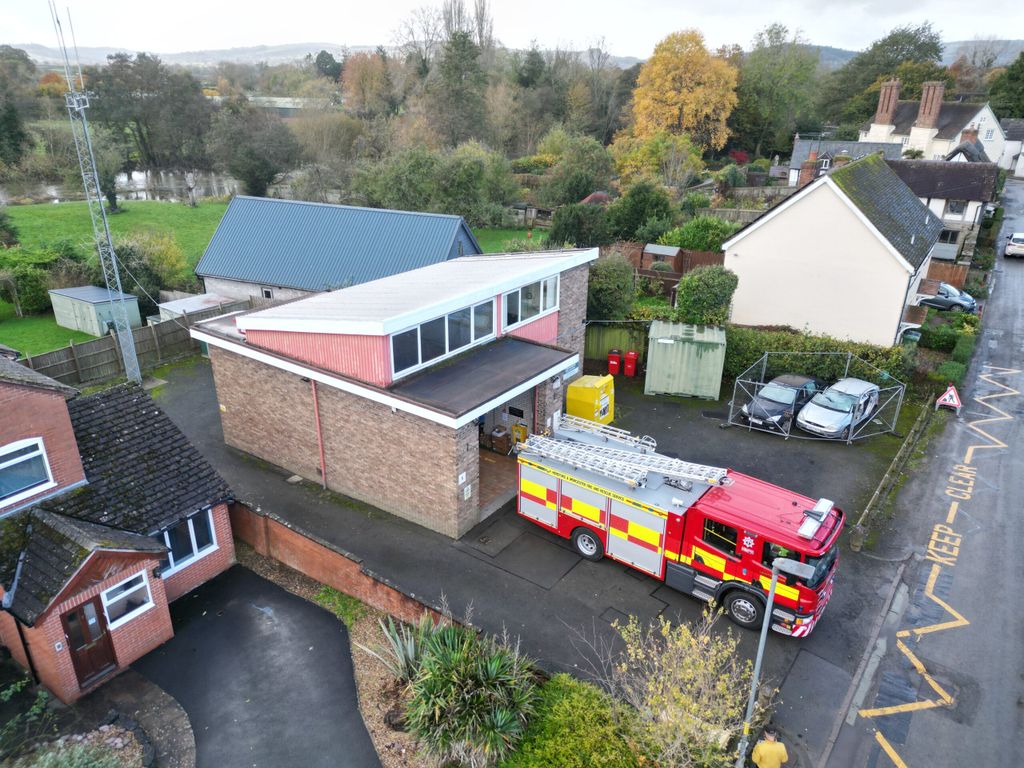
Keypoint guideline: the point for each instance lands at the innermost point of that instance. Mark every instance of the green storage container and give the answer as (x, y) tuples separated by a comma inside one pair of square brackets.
[(685, 359)]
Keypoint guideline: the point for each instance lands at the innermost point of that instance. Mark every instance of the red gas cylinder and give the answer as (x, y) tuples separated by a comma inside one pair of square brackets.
[(629, 366), (614, 361)]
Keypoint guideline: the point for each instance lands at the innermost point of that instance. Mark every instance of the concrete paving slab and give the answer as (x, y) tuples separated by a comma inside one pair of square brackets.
[(536, 560), (811, 696), (494, 534)]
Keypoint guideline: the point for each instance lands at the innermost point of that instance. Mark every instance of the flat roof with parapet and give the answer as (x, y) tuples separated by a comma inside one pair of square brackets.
[(195, 303), (394, 303), (92, 294)]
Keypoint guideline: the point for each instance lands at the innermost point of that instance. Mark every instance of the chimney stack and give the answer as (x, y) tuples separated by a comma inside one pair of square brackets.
[(969, 134), (887, 99), (840, 160), (931, 104), (808, 169)]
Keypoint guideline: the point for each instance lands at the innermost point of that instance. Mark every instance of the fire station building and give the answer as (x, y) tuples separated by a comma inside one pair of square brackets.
[(408, 392)]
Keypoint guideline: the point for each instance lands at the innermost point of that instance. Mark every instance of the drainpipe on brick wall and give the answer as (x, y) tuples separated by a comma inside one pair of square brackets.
[(8, 601), (319, 436)]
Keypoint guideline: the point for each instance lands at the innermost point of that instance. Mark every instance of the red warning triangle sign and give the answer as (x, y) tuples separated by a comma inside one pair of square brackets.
[(950, 398)]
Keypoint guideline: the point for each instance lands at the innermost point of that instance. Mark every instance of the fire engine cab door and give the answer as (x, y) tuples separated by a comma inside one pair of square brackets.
[(538, 496), (636, 537)]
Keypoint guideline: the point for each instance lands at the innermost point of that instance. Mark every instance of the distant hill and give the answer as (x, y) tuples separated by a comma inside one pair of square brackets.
[(1008, 50), (830, 57)]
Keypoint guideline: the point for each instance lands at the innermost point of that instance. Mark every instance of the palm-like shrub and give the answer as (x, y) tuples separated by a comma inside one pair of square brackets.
[(471, 698), (403, 646)]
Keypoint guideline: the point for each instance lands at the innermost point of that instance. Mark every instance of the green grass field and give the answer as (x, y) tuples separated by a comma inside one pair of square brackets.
[(35, 334), (45, 223), (493, 240)]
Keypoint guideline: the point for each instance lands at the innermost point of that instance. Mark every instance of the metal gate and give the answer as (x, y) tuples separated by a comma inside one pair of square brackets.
[(637, 537), (538, 495)]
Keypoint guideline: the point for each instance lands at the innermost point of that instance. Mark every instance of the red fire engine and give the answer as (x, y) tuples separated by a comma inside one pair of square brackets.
[(704, 531)]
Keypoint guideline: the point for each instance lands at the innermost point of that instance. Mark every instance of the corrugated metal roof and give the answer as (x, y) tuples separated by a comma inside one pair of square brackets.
[(318, 247), (92, 294)]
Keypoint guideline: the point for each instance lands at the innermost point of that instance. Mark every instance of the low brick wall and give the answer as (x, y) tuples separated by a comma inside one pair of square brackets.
[(322, 561)]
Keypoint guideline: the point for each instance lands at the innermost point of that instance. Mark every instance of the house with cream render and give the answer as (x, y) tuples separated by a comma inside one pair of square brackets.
[(931, 125), (846, 256)]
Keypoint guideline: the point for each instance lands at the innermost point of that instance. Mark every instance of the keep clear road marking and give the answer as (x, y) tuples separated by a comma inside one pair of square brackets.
[(943, 551)]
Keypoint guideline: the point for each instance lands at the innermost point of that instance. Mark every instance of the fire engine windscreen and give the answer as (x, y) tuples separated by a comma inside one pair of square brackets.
[(822, 565)]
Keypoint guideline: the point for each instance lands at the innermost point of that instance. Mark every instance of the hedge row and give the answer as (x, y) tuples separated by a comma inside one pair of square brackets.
[(744, 346)]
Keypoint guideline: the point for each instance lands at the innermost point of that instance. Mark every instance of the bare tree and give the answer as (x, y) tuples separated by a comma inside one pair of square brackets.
[(419, 36), (455, 18), (483, 26)]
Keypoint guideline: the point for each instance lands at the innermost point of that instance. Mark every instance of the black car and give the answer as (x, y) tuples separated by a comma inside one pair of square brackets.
[(780, 400), (951, 298)]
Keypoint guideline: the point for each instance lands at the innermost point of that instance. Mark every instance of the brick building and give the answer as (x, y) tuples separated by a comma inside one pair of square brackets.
[(407, 392), (107, 513)]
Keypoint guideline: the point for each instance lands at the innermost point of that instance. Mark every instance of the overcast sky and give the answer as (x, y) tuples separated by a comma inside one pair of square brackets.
[(629, 27)]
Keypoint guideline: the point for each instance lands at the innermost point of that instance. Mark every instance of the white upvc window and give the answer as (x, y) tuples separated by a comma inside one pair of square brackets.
[(990, 133), (24, 471), (529, 302), (906, 140), (825, 163), (127, 599), (188, 541), (444, 336)]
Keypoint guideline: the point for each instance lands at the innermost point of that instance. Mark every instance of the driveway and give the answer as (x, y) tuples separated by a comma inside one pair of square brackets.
[(265, 677), (514, 575)]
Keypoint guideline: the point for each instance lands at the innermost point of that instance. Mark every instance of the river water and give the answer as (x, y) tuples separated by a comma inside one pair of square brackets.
[(141, 185)]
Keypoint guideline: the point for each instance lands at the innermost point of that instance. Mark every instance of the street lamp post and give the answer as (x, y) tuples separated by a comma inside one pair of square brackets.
[(779, 565)]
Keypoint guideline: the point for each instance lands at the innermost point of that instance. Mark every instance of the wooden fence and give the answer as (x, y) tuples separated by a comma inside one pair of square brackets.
[(948, 272), (624, 336), (95, 361)]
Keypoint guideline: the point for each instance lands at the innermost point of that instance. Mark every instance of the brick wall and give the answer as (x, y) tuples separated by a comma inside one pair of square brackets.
[(131, 640), (9, 636), (205, 568), (396, 461), (572, 308), (29, 412), (323, 562)]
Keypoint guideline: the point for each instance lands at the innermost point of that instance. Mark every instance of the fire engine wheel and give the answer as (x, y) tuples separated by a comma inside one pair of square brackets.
[(587, 544), (744, 609)]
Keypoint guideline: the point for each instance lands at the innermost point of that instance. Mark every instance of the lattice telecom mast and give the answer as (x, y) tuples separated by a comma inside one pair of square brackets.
[(77, 101)]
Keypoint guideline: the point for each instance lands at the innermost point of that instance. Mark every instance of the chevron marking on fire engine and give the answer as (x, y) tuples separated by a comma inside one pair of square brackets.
[(946, 540), (929, 592), (1008, 391)]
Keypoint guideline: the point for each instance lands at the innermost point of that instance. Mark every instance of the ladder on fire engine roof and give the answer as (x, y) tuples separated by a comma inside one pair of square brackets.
[(627, 467), (576, 424)]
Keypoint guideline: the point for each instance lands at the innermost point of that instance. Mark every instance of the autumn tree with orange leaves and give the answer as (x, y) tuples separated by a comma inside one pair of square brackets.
[(685, 89)]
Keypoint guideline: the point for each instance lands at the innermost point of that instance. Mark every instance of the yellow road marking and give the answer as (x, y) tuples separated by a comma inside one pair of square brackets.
[(954, 507), (889, 750), (929, 592), (1008, 391)]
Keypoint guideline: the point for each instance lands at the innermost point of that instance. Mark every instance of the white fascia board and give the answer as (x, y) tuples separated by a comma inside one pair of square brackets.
[(421, 314), (375, 395), (871, 227), (789, 202)]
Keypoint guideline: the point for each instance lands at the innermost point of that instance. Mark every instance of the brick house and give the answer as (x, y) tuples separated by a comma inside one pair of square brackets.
[(406, 392), (107, 513)]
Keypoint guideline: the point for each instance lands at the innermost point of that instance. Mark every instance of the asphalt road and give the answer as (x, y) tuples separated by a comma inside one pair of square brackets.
[(944, 684)]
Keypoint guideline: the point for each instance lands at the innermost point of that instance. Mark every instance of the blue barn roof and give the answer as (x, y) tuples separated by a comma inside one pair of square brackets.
[(318, 247)]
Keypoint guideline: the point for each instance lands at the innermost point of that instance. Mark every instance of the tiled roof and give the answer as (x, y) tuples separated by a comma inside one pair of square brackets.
[(54, 547), (16, 373), (973, 152), (143, 474), (954, 116), (827, 148), (1013, 128), (948, 181), (890, 205), (318, 247)]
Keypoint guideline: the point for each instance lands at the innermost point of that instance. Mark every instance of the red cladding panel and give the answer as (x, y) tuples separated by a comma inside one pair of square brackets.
[(367, 358)]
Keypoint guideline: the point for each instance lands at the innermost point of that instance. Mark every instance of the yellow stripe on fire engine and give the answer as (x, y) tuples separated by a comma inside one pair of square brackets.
[(711, 561), (638, 531), (782, 590), (537, 490), (591, 487), (584, 510)]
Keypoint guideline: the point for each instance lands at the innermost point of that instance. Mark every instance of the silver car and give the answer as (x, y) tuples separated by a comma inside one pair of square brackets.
[(840, 409)]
